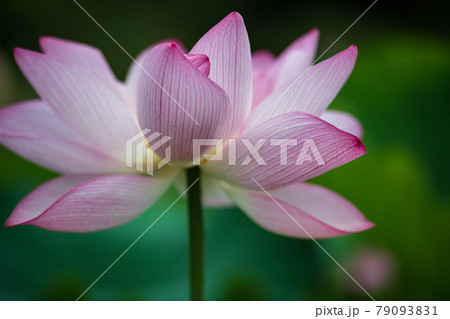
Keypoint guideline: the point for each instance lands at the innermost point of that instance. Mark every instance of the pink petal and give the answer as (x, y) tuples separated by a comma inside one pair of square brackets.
[(136, 67), (296, 58), (228, 49), (343, 121), (262, 86), (270, 73), (334, 146), (262, 60), (85, 203), (317, 211), (200, 61), (179, 101), (213, 195), (89, 58), (33, 130), (262, 79), (311, 91), (81, 100)]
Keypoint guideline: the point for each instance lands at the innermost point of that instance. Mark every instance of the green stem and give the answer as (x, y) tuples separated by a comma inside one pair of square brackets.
[(196, 237)]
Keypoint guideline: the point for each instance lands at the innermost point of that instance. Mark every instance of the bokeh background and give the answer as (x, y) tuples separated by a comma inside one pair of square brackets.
[(399, 90)]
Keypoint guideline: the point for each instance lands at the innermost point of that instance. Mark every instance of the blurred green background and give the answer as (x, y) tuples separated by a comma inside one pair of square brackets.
[(400, 92)]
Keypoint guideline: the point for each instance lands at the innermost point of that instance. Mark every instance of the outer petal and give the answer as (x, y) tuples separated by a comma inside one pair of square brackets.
[(76, 203), (82, 101), (311, 91), (89, 58), (228, 49), (92, 61), (213, 195), (33, 130), (334, 147), (319, 211), (179, 101), (343, 121), (296, 58)]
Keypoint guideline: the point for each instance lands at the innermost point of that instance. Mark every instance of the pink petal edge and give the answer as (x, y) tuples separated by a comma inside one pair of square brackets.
[(335, 147), (317, 211), (86, 203)]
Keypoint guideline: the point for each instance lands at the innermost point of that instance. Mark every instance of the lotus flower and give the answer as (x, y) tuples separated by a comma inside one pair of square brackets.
[(80, 125), (375, 268)]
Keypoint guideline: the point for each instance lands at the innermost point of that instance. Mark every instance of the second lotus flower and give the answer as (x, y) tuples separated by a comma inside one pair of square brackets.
[(80, 125)]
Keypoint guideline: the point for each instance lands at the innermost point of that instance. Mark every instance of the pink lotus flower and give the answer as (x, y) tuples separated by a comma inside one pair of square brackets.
[(375, 268), (81, 124)]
